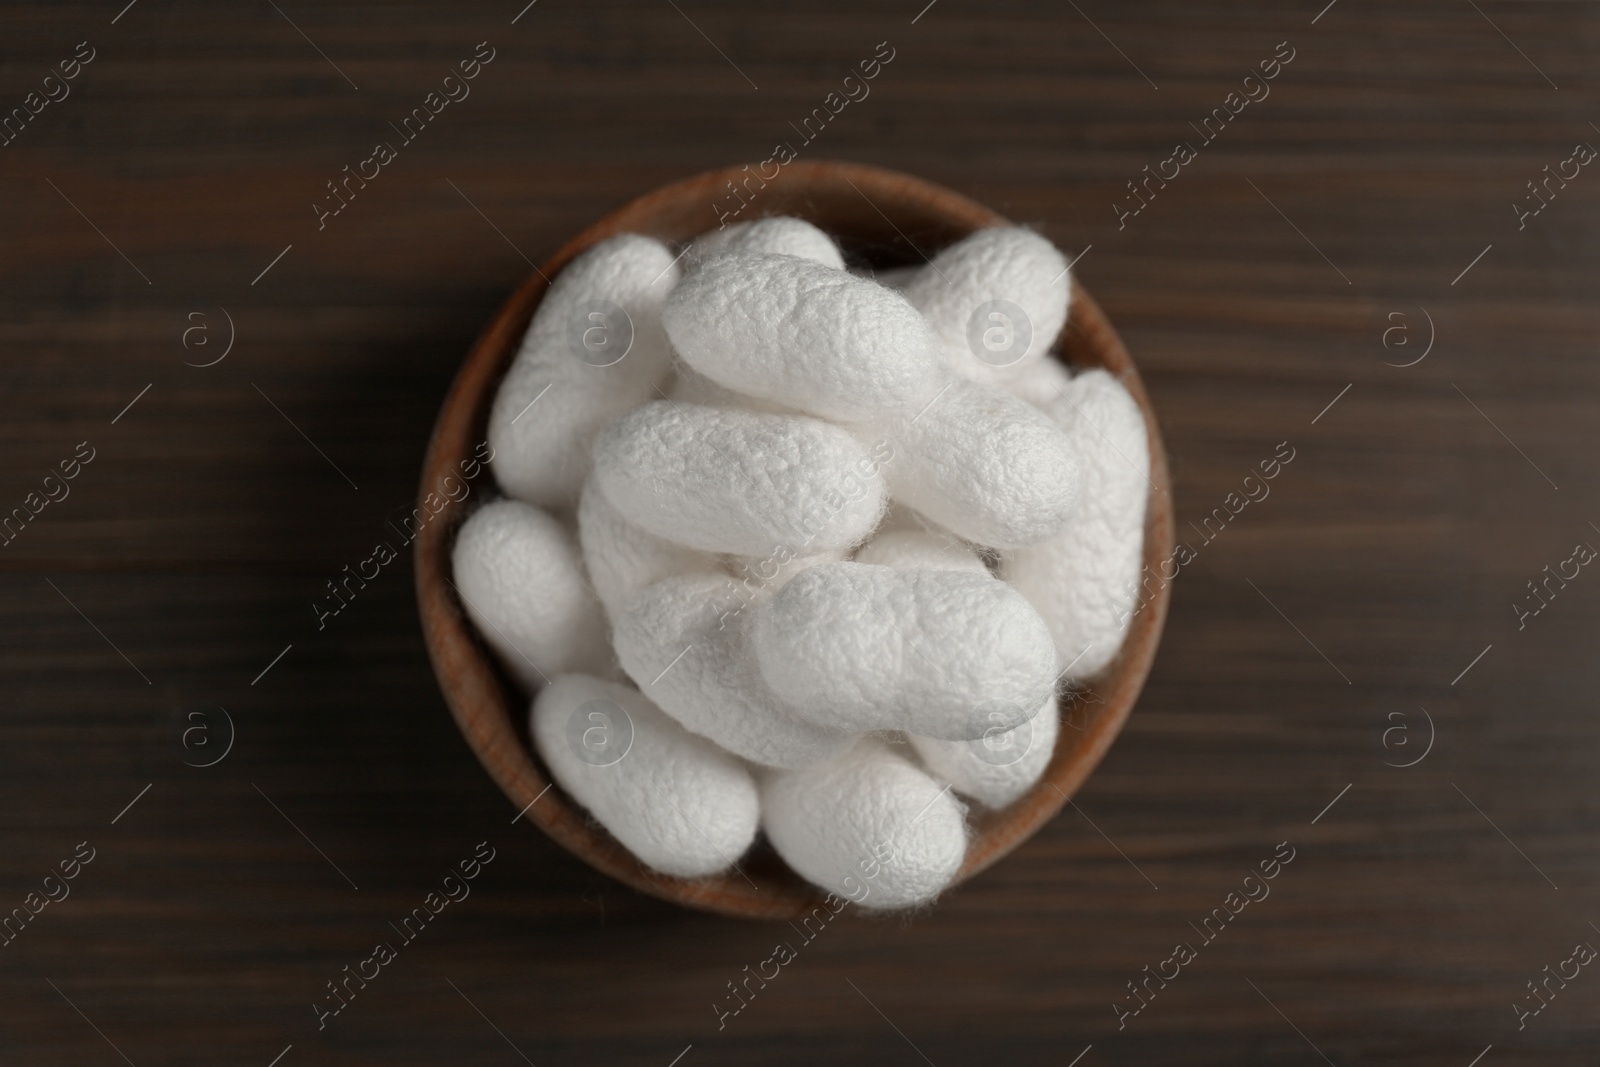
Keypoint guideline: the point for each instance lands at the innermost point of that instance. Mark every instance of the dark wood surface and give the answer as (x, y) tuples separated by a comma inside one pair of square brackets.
[(1387, 557)]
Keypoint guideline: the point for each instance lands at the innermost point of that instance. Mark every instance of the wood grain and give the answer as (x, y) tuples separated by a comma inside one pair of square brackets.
[(1386, 558)]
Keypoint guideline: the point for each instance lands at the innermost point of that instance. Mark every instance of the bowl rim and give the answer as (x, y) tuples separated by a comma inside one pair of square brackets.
[(492, 715)]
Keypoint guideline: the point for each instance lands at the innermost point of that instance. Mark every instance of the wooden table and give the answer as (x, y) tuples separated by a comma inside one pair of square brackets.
[(1361, 617)]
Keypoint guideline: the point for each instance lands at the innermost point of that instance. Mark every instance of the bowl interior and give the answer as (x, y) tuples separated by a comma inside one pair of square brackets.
[(881, 218)]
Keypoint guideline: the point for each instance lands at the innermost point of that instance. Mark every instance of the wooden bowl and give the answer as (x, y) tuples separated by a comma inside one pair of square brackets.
[(877, 216)]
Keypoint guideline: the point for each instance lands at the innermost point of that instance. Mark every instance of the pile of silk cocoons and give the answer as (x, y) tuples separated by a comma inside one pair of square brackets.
[(792, 549)]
